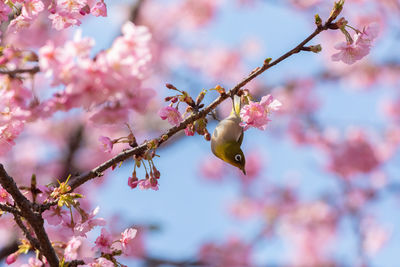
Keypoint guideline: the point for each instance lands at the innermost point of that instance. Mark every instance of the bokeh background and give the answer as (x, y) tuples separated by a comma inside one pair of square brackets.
[(322, 184)]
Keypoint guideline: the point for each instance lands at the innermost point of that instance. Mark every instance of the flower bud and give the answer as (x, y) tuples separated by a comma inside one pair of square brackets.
[(337, 8), (200, 97), (153, 181), (152, 144), (85, 10), (315, 48), (170, 86), (207, 135), (267, 61), (189, 109), (318, 20), (11, 258), (133, 181), (220, 89), (156, 173)]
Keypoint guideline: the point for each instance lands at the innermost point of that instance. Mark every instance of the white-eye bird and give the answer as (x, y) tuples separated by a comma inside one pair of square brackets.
[(228, 137)]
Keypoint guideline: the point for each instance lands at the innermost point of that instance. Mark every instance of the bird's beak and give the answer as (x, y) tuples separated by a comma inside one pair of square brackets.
[(244, 171)]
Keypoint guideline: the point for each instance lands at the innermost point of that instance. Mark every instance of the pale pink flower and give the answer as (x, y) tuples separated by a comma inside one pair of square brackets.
[(31, 8), (60, 22), (70, 6), (71, 251), (354, 50), (5, 197), (145, 184), (18, 24), (104, 242), (101, 262), (127, 236), (99, 9), (350, 52), (80, 46), (82, 228), (54, 215), (5, 10), (33, 262), (171, 114), (107, 143), (256, 114)]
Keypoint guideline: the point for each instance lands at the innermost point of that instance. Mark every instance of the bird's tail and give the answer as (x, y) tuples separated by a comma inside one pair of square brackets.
[(236, 105)]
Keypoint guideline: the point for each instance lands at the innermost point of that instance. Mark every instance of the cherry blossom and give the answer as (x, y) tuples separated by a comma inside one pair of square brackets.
[(5, 197), (104, 242), (127, 236), (255, 114), (171, 114), (33, 262), (354, 50), (71, 251), (55, 215), (101, 262), (107, 143)]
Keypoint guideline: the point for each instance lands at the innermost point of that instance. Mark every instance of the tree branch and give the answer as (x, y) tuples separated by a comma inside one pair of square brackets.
[(74, 142), (19, 71), (154, 262), (34, 242), (34, 219), (139, 150), (9, 209)]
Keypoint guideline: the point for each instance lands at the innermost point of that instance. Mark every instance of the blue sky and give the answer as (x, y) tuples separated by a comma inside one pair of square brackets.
[(191, 210)]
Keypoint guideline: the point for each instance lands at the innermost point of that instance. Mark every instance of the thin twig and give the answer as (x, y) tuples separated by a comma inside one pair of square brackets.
[(139, 150), (9, 209), (33, 218), (153, 262), (19, 71), (34, 242)]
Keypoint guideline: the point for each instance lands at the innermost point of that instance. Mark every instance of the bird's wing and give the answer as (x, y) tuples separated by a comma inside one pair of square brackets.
[(231, 131), (236, 105), (240, 140)]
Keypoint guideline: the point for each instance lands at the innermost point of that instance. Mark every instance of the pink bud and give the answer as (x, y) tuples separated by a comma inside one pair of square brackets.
[(12, 258), (153, 181)]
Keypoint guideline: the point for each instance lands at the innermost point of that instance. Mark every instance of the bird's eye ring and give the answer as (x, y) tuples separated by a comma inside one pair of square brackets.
[(238, 157)]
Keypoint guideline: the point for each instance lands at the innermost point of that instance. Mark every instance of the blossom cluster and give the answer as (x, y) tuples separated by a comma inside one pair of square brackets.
[(72, 227), (255, 114), (62, 13), (110, 85), (357, 47)]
